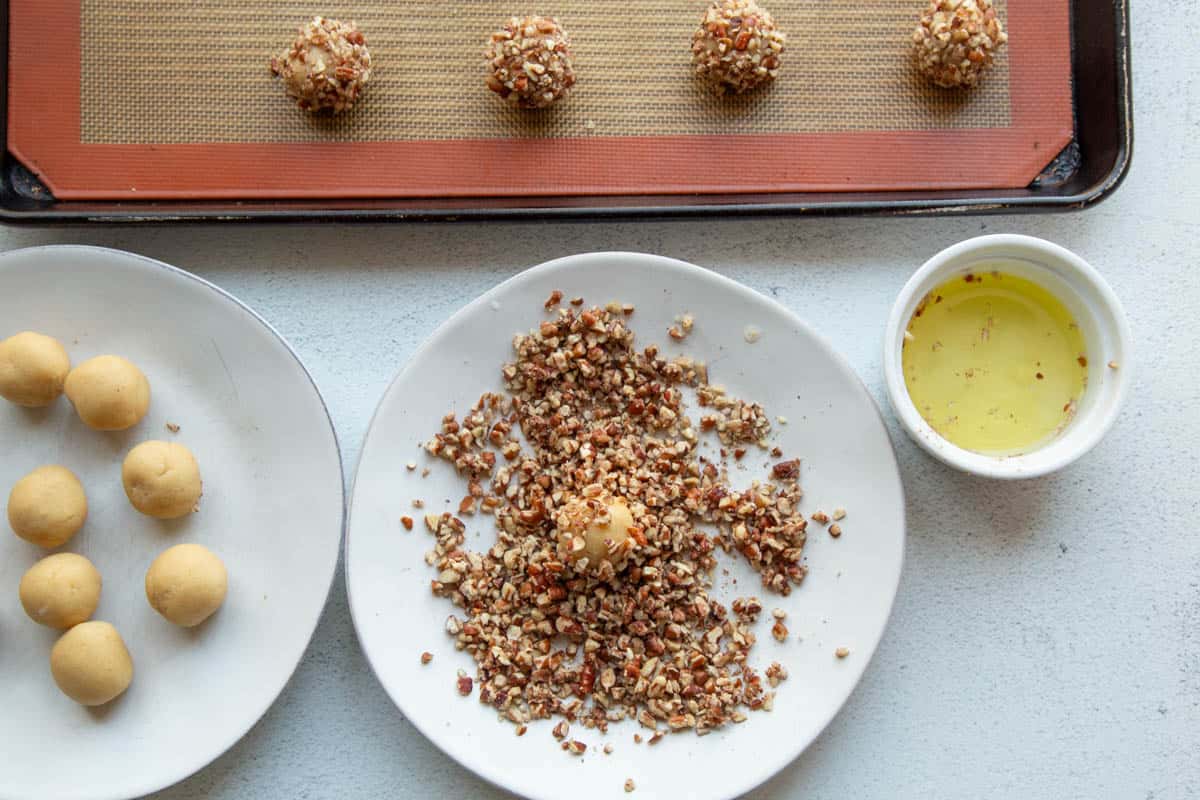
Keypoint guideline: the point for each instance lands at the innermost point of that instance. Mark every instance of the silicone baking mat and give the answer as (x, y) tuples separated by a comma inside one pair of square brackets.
[(115, 99)]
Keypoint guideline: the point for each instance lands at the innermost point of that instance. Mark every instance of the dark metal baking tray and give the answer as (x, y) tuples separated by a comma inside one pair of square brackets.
[(1087, 171)]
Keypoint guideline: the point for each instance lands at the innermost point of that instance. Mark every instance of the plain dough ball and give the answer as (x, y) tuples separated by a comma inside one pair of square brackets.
[(109, 393), (186, 584), (162, 479), (61, 590), (90, 663), (33, 368), (48, 506)]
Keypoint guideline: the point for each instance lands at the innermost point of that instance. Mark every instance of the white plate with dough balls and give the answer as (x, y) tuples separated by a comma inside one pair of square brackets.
[(760, 352), (241, 507)]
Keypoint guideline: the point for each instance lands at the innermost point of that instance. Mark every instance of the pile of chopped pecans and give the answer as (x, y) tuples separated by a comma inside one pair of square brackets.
[(634, 635)]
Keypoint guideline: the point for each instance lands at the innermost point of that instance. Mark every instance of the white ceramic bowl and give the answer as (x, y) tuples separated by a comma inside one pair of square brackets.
[(1095, 307)]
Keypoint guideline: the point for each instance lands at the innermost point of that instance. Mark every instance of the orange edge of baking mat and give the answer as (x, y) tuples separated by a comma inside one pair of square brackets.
[(44, 134)]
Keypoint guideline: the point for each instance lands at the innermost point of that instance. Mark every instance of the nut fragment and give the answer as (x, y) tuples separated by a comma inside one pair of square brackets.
[(629, 785), (835, 530), (842, 652), (426, 657)]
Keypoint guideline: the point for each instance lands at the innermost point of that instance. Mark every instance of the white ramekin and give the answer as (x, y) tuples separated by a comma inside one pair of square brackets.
[(1094, 306)]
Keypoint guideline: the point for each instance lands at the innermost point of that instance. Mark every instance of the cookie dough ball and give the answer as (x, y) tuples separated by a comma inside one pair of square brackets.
[(33, 368), (48, 506), (529, 62), (90, 663), (956, 41), (61, 590), (737, 47), (109, 393), (327, 67), (162, 479), (186, 584), (595, 529)]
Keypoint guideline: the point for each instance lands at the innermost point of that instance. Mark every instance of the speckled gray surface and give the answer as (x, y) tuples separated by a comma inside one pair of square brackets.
[(1046, 639)]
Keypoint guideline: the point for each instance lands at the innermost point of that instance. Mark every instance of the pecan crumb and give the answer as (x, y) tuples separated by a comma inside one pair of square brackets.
[(172, 427), (554, 299), (576, 747), (608, 749), (410, 466), (465, 684), (820, 517), (779, 614), (835, 530), (426, 657), (521, 729), (842, 652), (407, 522), (629, 785), (839, 514), (779, 631), (418, 503)]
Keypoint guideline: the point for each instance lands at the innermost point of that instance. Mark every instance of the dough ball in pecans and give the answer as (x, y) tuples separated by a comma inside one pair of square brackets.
[(33, 368), (956, 41), (529, 62), (737, 47), (327, 67), (596, 529)]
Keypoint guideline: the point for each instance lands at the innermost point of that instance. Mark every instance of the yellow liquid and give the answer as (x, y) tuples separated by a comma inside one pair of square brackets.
[(994, 363)]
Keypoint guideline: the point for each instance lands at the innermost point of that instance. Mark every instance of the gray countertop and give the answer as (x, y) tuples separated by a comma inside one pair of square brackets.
[(1046, 638)]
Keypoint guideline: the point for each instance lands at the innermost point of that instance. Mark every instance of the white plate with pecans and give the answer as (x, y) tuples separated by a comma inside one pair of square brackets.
[(226, 385), (618, 549)]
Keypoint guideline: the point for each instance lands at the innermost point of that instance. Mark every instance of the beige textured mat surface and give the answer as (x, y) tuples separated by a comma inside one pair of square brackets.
[(177, 71)]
